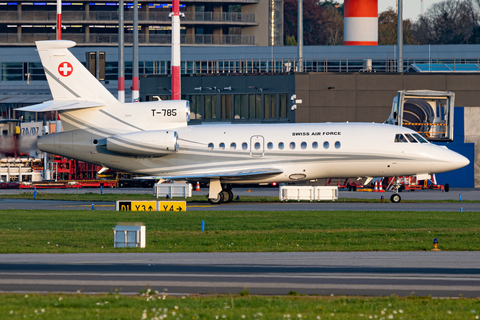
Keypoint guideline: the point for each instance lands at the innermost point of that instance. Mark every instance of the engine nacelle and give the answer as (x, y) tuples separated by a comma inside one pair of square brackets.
[(155, 143)]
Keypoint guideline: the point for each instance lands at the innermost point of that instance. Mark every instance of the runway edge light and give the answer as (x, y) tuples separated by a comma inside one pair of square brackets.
[(435, 245)]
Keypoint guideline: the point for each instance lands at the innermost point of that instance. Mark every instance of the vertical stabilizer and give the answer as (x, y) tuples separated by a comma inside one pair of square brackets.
[(67, 77)]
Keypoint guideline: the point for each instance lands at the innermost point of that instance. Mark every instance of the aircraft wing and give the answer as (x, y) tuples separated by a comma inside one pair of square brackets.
[(229, 175), (55, 105)]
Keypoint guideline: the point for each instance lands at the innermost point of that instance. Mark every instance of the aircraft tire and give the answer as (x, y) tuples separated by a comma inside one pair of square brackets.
[(217, 200), (395, 198), (227, 196), (447, 187)]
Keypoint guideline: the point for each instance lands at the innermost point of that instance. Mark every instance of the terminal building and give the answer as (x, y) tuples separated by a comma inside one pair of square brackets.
[(217, 22)]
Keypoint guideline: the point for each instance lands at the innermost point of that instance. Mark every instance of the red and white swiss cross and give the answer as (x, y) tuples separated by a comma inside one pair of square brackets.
[(65, 69)]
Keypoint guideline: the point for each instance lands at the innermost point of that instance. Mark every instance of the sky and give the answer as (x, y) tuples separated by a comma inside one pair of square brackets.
[(411, 8)]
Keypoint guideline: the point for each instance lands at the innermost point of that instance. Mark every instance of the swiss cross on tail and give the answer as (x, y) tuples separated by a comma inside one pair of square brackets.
[(65, 69)]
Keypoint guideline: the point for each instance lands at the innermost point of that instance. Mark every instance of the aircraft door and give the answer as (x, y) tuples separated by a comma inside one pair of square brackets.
[(257, 146)]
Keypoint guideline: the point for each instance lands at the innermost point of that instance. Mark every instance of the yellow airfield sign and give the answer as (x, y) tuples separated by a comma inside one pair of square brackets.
[(127, 205), (172, 205), (137, 206)]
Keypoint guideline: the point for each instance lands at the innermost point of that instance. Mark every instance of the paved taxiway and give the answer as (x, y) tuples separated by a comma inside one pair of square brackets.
[(442, 274), (467, 194), (387, 206)]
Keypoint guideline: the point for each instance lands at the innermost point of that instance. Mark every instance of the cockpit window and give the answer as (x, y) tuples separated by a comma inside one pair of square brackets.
[(400, 138), (420, 138), (410, 138)]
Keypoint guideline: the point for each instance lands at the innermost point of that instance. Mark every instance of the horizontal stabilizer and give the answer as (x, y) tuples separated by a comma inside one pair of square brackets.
[(232, 175), (57, 105)]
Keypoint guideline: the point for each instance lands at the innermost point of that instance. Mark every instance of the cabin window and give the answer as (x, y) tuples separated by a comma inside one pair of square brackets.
[(280, 146), (244, 146), (257, 146), (315, 145), (303, 145), (400, 138), (210, 146), (410, 138), (420, 138), (269, 146), (221, 146), (233, 146), (292, 145), (326, 145), (337, 145)]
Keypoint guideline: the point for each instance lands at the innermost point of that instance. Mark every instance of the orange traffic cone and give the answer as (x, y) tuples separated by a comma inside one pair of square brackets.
[(197, 188), (375, 189), (380, 187)]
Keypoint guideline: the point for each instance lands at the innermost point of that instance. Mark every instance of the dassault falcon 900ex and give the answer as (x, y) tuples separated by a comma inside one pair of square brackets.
[(154, 139)]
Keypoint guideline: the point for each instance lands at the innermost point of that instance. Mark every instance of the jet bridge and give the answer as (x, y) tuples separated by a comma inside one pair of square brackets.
[(430, 113)]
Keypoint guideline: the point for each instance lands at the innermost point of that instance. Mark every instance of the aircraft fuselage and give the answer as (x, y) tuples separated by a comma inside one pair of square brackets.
[(300, 151)]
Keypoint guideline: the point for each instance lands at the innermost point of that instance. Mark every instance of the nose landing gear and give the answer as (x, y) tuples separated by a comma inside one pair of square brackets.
[(395, 198)]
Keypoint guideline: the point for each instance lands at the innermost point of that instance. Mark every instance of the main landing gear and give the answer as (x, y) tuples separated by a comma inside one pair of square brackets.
[(395, 198), (219, 194)]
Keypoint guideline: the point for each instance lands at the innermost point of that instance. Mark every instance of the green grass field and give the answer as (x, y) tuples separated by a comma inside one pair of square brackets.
[(109, 197), (113, 306), (72, 231)]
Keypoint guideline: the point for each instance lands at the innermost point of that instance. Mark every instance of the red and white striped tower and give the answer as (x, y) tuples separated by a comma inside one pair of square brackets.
[(176, 86), (360, 23), (59, 20)]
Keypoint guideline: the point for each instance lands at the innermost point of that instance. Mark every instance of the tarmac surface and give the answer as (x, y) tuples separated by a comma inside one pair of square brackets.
[(466, 194), (440, 274), (290, 206)]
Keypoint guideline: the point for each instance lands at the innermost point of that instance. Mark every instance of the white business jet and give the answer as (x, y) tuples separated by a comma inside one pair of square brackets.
[(154, 139)]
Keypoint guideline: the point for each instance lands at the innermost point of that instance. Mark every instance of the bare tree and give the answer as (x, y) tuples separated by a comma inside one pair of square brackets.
[(447, 22), (387, 28), (322, 22)]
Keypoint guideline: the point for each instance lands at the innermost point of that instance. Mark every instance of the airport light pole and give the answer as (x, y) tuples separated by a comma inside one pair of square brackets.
[(135, 92), (121, 75), (59, 20), (300, 35), (400, 36), (175, 65)]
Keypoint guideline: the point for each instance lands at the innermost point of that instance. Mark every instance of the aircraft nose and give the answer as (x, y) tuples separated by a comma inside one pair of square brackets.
[(443, 159)]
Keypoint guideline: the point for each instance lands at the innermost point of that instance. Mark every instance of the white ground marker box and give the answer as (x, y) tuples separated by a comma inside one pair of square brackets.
[(183, 190), (129, 236), (326, 193), (308, 193), (296, 193)]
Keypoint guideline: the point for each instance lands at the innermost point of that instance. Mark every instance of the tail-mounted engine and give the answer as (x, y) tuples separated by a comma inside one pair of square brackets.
[(155, 143)]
